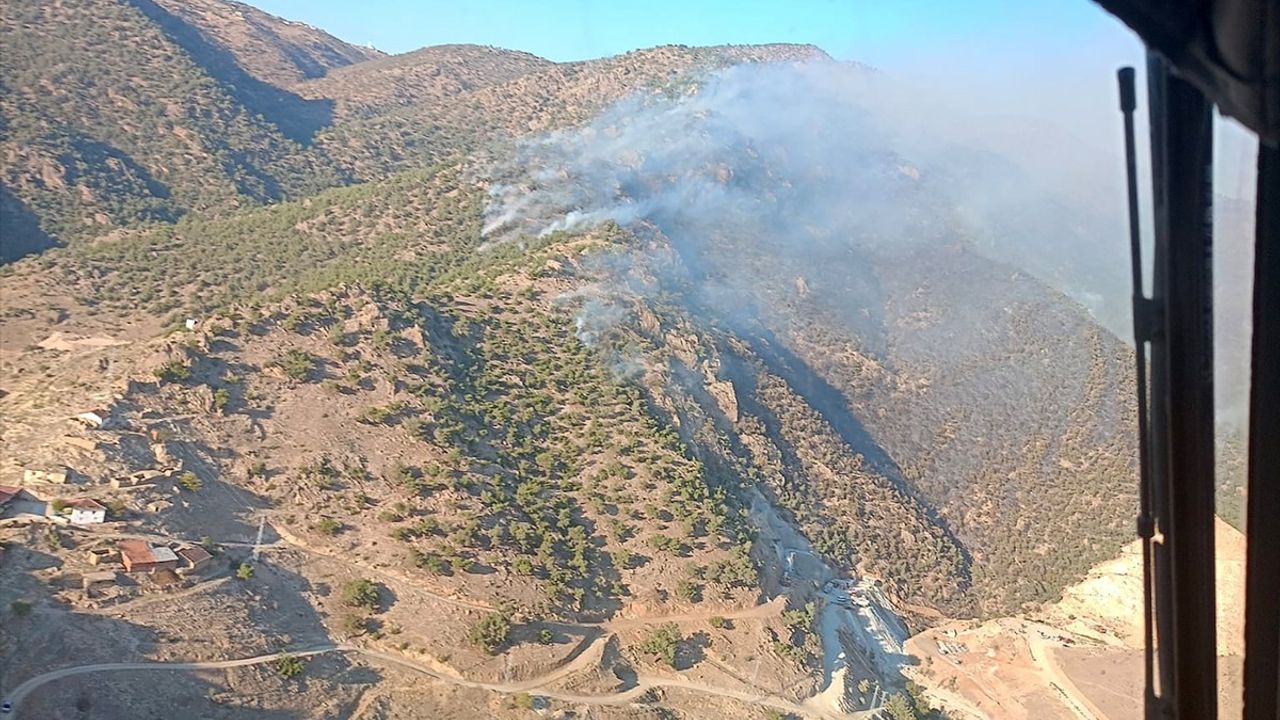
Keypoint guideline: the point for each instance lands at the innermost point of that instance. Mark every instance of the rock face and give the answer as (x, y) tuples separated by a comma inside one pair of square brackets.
[(722, 391), (1109, 599)]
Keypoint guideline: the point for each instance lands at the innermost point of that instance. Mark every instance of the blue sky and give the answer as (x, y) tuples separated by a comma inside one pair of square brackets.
[(885, 33)]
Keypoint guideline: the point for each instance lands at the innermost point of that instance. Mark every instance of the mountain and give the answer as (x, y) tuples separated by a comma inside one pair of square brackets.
[(561, 383), (113, 118), (430, 75), (270, 49), (124, 113)]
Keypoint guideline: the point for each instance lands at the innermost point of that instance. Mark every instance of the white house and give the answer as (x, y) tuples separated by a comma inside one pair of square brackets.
[(85, 511)]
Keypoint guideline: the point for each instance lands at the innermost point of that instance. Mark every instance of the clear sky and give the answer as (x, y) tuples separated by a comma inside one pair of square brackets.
[(880, 32)]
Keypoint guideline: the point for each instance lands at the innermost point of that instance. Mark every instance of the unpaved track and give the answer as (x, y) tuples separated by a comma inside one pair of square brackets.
[(1068, 693), (20, 693), (644, 683)]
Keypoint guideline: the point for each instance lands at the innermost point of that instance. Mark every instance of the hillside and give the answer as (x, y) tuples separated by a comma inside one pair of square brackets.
[(109, 121), (271, 49), (430, 75), (660, 385)]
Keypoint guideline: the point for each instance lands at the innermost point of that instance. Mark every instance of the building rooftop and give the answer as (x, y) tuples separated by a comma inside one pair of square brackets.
[(85, 504), (140, 552), (8, 492), (194, 554)]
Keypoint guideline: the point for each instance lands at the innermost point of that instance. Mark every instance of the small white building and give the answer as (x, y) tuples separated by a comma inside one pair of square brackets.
[(94, 419), (85, 511)]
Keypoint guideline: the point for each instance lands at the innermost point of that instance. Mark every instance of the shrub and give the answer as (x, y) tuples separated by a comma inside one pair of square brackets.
[(245, 571), (719, 622), (430, 562), (190, 482), (361, 593), (355, 625), (328, 526), (173, 371), (689, 591), (663, 643), (297, 365), (289, 666), (21, 608), (492, 632)]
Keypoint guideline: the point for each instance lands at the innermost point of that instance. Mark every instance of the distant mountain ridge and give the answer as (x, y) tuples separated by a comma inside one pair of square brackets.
[(118, 113)]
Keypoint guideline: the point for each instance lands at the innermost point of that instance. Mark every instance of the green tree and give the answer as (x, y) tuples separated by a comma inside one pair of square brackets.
[(492, 632), (663, 643), (900, 708)]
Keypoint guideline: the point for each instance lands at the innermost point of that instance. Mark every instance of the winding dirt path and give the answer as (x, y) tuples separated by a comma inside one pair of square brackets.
[(20, 692), (636, 693)]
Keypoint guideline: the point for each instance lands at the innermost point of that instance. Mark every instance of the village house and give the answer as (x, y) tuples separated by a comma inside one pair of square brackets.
[(84, 511), (194, 558), (141, 556)]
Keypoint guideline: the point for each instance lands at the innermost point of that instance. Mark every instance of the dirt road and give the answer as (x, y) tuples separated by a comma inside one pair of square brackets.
[(535, 686), (20, 693), (1068, 693)]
